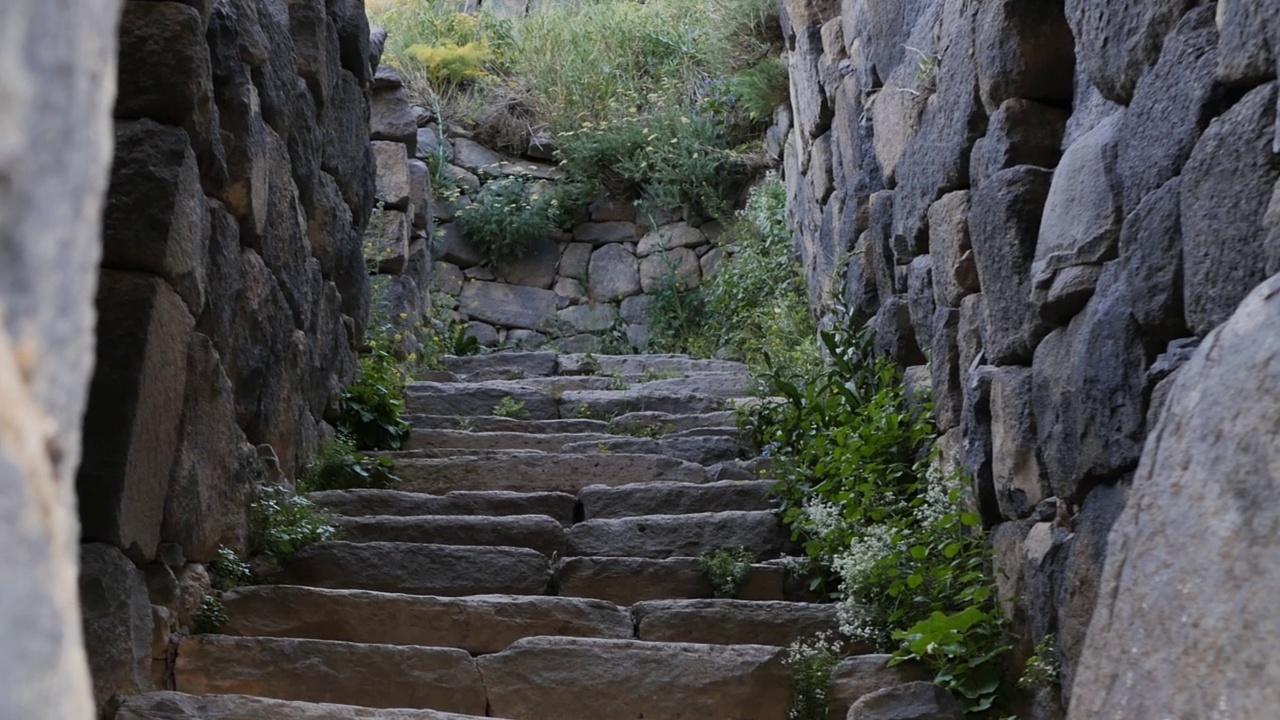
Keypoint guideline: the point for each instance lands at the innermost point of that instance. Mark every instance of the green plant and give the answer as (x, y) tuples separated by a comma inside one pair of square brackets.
[(677, 317), (284, 523), (508, 215), (510, 408), (451, 63), (812, 662), (617, 382), (726, 569), (339, 466), (211, 616), (763, 88), (227, 570), (370, 408), (1043, 669)]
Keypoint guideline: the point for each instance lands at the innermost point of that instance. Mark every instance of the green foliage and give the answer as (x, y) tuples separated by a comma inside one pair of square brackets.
[(369, 409), (211, 616), (812, 661), (510, 408), (451, 63), (339, 466), (677, 317), (1043, 669), (760, 90), (228, 571), (726, 569), (508, 215), (861, 489), (284, 523)]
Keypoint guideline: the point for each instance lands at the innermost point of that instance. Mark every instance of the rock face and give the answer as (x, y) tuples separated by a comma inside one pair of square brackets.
[(50, 143), (1203, 460), (1090, 188)]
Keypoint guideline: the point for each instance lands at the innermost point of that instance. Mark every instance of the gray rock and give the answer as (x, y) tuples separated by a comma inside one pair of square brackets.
[(418, 569), (689, 535), (975, 428), (474, 157), (537, 532), (635, 309), (513, 365), (392, 119), (574, 260), (1021, 132), (895, 337), (732, 622), (535, 267), (679, 267), (670, 237), (614, 274), (455, 248), (944, 368), (178, 706), (387, 241), (1226, 186), (590, 318), (463, 178), (467, 503), (602, 501), (523, 471), (809, 101), (1118, 42), (130, 435), (1020, 482), (910, 701), (485, 334), (1151, 255), (1171, 107), (604, 233), (628, 580), (459, 400), (862, 675), (920, 299), (509, 305), (1024, 50), (570, 289), (1249, 42), (447, 278), (955, 274), (117, 622), (1167, 606), (430, 143), (1081, 222), (393, 188), (1003, 223)]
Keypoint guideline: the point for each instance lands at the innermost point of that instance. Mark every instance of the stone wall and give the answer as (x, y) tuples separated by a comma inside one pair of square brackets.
[(57, 78), (1050, 204), (232, 296)]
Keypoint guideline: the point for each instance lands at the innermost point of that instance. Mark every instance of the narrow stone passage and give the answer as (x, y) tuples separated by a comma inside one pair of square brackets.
[(540, 567)]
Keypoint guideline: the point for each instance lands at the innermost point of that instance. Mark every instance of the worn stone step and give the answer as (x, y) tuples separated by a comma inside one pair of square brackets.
[(721, 384), (170, 705), (493, 423), (611, 404), (732, 622), (703, 450), (328, 671), (479, 400), (661, 424), (753, 469), (489, 503), (582, 364), (477, 624), (661, 536), (584, 679), (668, 498), (502, 366), (468, 440), (629, 580), (419, 569), (522, 471), (537, 532)]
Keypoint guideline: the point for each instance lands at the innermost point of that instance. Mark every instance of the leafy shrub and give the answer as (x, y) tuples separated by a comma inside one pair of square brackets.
[(228, 571), (861, 489), (450, 63), (211, 616), (510, 408), (812, 661), (508, 215), (284, 523), (760, 90), (1042, 670), (726, 570), (677, 317), (338, 466), (370, 407)]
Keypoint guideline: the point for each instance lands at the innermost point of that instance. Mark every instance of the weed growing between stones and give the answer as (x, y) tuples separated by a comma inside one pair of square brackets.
[(812, 660), (888, 532), (509, 214), (677, 318), (370, 408), (211, 616), (339, 466), (227, 571), (1042, 670), (727, 570), (510, 408), (283, 523)]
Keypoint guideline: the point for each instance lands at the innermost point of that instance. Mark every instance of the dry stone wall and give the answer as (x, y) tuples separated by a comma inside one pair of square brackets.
[(1051, 204), (232, 296)]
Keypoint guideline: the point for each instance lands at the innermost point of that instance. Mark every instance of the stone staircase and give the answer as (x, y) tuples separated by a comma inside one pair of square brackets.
[(533, 568)]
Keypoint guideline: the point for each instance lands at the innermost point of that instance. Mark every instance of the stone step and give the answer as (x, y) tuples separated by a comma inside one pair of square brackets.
[(502, 366), (468, 440), (720, 384), (703, 450), (521, 471), (170, 705), (668, 498), (478, 624), (753, 469), (536, 532), (663, 424), (550, 678), (493, 423), (581, 364), (479, 400), (629, 580), (329, 671), (662, 536), (419, 569), (603, 404), (732, 622), (487, 503)]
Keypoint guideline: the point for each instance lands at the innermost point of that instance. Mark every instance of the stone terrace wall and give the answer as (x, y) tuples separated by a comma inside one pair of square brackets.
[(57, 68), (1051, 203), (232, 296)]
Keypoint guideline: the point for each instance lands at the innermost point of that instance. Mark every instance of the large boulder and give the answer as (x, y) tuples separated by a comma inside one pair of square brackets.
[(117, 622), (509, 305), (1186, 629), (1119, 41), (1024, 50)]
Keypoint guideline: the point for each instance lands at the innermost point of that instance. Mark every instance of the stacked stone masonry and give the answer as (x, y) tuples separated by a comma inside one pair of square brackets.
[(1052, 204)]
